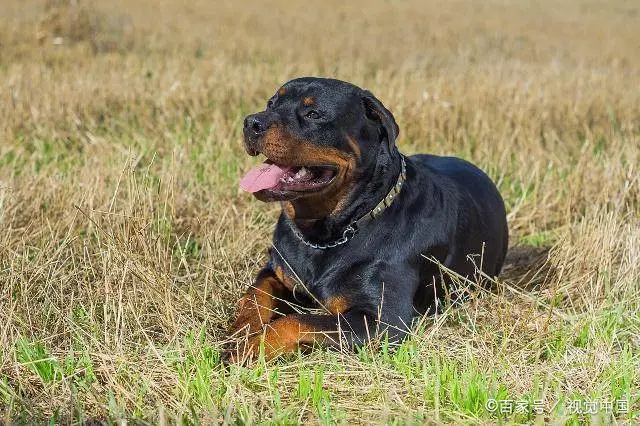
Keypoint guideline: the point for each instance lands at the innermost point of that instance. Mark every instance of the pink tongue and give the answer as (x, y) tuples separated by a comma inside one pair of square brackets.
[(262, 177)]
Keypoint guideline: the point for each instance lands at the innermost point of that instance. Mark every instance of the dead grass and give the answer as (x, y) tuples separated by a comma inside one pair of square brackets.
[(124, 240)]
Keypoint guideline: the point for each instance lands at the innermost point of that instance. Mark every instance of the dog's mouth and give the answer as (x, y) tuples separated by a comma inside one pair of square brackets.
[(283, 178)]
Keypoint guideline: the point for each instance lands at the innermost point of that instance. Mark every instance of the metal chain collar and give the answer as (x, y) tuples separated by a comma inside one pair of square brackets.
[(354, 226)]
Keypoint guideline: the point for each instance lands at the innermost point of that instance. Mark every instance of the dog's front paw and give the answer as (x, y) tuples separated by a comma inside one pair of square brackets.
[(241, 351)]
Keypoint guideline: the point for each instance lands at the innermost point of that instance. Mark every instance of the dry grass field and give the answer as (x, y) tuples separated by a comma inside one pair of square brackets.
[(125, 240)]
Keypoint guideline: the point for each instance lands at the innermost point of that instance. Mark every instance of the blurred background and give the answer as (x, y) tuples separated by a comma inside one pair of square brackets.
[(91, 58)]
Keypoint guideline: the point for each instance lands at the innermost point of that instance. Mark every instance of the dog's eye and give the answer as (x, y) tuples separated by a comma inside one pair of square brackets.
[(314, 115), (270, 104)]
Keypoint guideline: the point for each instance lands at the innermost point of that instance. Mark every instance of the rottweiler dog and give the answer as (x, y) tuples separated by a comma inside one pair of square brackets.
[(364, 231)]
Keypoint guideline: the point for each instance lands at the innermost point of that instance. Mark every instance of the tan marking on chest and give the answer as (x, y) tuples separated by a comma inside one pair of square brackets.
[(337, 304), (288, 281)]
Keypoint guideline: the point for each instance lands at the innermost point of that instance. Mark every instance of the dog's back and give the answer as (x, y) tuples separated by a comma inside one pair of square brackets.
[(481, 226)]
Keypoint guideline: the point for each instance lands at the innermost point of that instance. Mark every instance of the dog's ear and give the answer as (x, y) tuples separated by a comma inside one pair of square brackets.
[(375, 111)]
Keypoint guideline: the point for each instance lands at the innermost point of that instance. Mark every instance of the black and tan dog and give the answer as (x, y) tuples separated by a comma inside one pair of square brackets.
[(361, 226)]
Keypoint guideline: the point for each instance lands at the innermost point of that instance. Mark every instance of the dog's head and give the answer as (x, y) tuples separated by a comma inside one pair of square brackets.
[(318, 136)]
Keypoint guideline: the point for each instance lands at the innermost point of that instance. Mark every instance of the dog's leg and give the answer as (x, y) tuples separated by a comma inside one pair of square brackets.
[(286, 334), (263, 301)]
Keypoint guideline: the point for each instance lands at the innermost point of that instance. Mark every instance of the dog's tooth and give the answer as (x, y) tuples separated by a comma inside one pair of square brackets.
[(302, 172)]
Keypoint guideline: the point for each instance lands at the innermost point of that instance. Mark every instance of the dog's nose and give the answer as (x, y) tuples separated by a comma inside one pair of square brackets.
[(255, 124)]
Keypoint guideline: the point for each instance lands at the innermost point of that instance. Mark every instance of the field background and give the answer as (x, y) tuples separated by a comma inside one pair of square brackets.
[(125, 241)]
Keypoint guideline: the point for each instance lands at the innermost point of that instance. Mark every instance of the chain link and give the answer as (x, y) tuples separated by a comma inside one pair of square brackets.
[(346, 236)]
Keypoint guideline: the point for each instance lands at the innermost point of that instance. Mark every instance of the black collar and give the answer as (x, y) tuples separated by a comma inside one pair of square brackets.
[(356, 225)]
